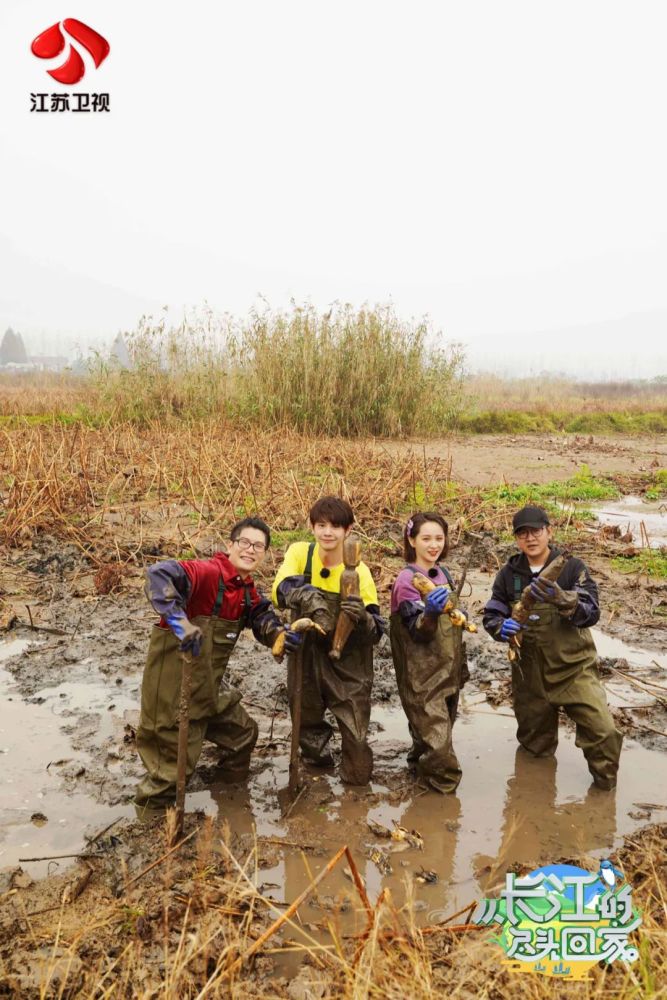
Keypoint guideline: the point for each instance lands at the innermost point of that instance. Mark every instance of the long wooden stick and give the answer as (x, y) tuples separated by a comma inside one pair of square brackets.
[(183, 728), (296, 721)]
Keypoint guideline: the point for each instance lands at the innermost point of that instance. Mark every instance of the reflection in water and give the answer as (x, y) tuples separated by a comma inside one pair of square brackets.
[(437, 818), (510, 809), (537, 830)]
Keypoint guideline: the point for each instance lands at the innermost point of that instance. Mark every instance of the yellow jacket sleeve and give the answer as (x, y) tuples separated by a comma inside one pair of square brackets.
[(369, 594), (293, 564)]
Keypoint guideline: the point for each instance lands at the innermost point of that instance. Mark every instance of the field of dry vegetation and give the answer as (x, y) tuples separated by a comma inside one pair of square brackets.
[(218, 420)]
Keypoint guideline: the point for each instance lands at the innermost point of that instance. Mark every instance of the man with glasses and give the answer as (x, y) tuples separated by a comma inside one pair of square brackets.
[(557, 663), (203, 606)]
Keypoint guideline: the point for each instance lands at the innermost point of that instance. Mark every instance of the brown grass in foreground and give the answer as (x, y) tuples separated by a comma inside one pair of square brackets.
[(185, 928)]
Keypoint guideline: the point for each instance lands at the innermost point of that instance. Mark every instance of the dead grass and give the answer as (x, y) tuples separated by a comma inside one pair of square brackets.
[(44, 394), (188, 928), (126, 495), (548, 394)]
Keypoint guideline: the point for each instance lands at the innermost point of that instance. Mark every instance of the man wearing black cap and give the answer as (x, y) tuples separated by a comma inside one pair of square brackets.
[(557, 665)]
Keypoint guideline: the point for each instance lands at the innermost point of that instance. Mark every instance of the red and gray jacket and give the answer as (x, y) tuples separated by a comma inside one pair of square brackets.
[(211, 587)]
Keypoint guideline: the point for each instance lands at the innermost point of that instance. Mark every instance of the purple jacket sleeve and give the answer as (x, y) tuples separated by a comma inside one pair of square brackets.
[(168, 588), (587, 612), (407, 600), (264, 622)]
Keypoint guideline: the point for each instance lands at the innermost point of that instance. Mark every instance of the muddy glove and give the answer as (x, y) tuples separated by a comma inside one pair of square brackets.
[(435, 601), (189, 634), (355, 609), (308, 602), (564, 600), (509, 628), (292, 641)]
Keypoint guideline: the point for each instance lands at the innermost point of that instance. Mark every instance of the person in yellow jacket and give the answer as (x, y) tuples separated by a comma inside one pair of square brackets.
[(308, 584)]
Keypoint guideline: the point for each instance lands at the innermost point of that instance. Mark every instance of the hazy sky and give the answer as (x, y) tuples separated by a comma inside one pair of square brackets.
[(498, 165)]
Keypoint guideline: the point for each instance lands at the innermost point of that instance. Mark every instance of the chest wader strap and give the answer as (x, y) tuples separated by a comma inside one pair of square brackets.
[(308, 570), (218, 600), (448, 577), (247, 605), (517, 587)]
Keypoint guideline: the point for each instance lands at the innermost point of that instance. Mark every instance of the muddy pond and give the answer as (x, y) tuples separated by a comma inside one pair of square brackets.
[(510, 808), (69, 705), (636, 515)]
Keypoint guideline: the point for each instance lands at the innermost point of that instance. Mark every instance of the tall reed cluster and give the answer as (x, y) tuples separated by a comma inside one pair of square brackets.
[(347, 371)]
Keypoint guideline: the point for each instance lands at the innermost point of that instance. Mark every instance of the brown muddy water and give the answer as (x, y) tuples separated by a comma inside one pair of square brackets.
[(509, 808), (38, 816), (629, 512)]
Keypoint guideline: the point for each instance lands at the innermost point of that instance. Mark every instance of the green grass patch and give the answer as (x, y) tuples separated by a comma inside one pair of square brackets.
[(565, 422), (658, 488), (649, 562), (79, 415), (284, 538), (582, 486)]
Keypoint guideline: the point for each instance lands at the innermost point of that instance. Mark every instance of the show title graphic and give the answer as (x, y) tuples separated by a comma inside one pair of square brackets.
[(561, 920), (51, 43)]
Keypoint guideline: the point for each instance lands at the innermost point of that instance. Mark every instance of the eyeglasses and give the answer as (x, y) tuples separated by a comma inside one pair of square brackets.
[(529, 532), (244, 544)]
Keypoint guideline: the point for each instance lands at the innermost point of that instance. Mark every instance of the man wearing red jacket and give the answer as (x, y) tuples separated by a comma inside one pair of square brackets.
[(203, 605)]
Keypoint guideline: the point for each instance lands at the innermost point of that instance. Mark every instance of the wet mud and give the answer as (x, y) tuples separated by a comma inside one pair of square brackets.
[(69, 706)]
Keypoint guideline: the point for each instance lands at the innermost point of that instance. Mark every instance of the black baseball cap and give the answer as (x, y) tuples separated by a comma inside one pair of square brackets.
[(529, 517)]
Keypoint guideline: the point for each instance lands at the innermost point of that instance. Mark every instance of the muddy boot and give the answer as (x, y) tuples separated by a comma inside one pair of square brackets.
[(416, 750), (324, 760), (235, 767), (604, 784), (603, 759), (443, 778), (357, 760), (313, 740), (229, 775), (596, 734), (235, 733), (154, 795)]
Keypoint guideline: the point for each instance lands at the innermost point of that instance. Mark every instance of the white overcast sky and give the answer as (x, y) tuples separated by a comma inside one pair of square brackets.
[(500, 166)]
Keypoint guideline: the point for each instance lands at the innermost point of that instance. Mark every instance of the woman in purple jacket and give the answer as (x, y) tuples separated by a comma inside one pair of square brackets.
[(428, 652)]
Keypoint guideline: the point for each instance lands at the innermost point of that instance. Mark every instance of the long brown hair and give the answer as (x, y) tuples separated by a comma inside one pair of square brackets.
[(413, 527)]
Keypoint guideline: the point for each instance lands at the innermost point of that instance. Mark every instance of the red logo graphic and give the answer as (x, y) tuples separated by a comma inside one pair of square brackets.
[(52, 41)]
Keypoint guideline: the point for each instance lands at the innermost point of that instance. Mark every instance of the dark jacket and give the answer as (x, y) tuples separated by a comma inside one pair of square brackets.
[(575, 577)]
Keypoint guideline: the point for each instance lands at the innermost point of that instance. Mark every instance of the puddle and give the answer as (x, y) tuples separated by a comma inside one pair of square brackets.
[(509, 808), (32, 740), (629, 512), (645, 665), (607, 645)]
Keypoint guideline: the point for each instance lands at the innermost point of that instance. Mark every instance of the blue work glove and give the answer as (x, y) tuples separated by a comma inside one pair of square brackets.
[(509, 628), (292, 641), (436, 600), (189, 634)]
